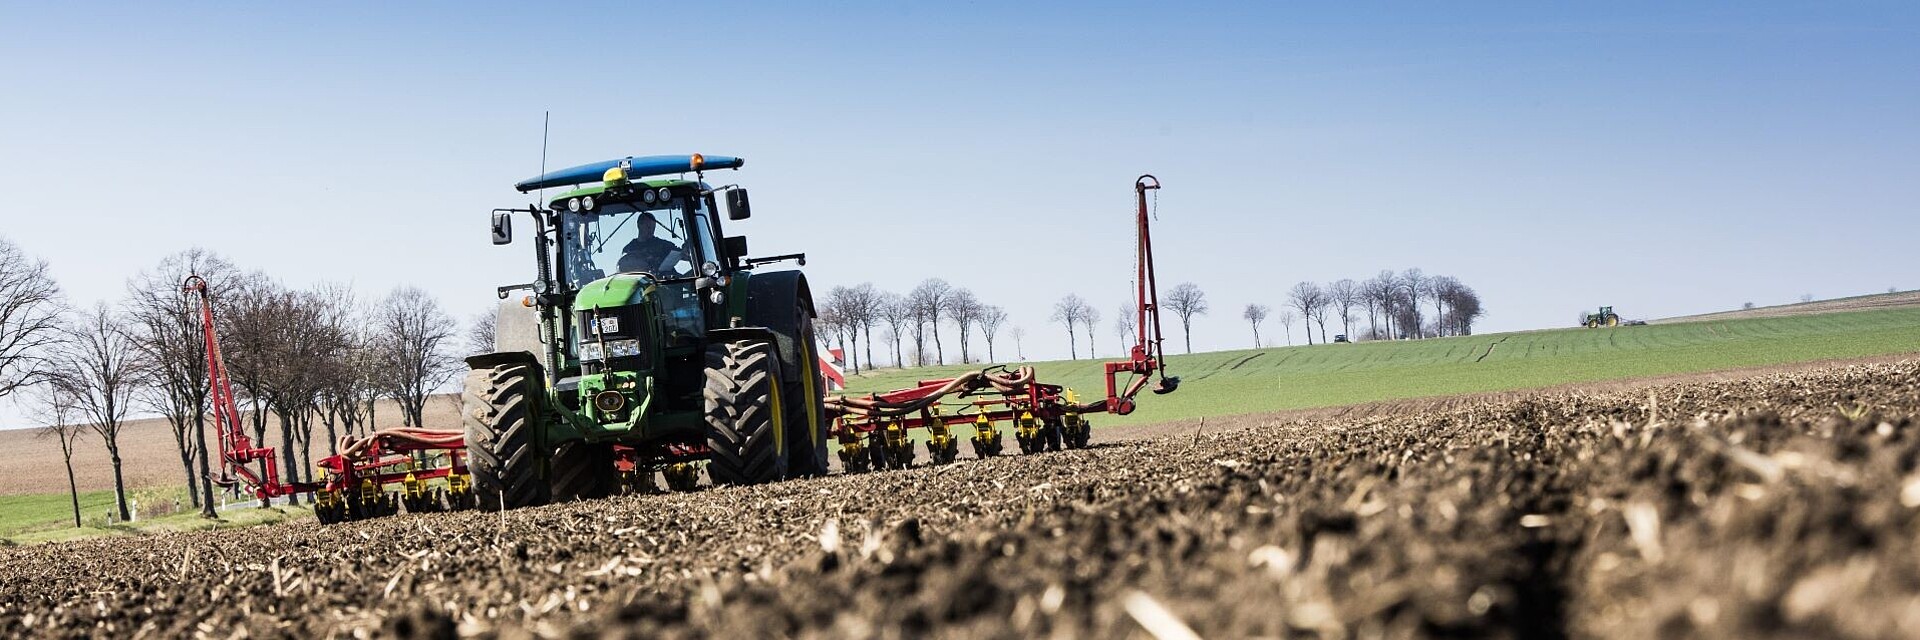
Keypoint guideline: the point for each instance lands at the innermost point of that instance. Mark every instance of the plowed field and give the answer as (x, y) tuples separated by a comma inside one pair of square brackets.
[(1782, 505)]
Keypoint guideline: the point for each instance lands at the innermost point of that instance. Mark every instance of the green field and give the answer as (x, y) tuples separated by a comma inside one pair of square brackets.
[(1252, 381), (47, 517)]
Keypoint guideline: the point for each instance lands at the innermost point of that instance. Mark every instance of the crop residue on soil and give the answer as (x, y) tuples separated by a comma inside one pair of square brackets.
[(1781, 505)]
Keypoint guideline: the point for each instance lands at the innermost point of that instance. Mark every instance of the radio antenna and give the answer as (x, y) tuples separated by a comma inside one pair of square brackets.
[(546, 120)]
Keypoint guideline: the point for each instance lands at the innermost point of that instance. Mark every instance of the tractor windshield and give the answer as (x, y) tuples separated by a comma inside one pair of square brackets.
[(624, 238)]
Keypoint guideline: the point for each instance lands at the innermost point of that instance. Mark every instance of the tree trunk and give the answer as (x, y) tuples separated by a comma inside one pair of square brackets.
[(186, 464), (866, 332), (73, 489), (990, 350), (119, 485), (306, 446), (206, 475), (1186, 333), (1093, 349), (853, 354), (1073, 344), (1256, 336), (939, 351), (288, 471)]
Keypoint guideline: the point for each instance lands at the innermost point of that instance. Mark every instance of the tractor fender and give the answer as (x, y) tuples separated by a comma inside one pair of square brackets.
[(771, 299), (497, 358)]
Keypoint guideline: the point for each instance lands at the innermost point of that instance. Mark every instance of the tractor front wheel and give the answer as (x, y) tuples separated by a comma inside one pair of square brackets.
[(745, 425), (503, 446)]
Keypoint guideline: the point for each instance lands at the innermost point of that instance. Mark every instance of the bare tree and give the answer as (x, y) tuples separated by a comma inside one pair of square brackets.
[(898, 314), (1414, 284), (867, 306), (1438, 289), (1071, 311), (1380, 292), (1319, 316), (1307, 297), (57, 403), (1018, 334), (1463, 307), (100, 368), (934, 298), (923, 309), (991, 317), (1187, 300), (334, 318), (412, 333), (832, 325), (166, 326), (1287, 319), (840, 318), (30, 306), (1806, 297), (1123, 326), (1344, 295), (1091, 318), (481, 331), (964, 309), (1255, 314)]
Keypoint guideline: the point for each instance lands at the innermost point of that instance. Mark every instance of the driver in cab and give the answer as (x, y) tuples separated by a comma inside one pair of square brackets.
[(651, 253)]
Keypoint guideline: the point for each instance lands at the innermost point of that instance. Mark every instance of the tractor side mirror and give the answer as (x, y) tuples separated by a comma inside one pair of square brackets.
[(736, 247), (737, 206), (502, 227)]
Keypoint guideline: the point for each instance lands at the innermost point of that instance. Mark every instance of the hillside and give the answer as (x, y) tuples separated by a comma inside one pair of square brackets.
[(1899, 300), (1251, 381)]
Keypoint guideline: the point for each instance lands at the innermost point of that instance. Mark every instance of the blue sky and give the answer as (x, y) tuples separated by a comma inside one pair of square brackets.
[(1663, 159)]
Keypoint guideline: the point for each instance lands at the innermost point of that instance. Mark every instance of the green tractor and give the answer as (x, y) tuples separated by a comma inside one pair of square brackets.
[(648, 342), (1605, 318)]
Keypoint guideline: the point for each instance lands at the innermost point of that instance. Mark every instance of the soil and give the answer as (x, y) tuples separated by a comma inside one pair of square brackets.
[(1782, 504)]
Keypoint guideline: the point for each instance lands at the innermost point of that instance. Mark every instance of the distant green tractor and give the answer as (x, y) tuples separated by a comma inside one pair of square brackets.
[(649, 343), (1605, 318)]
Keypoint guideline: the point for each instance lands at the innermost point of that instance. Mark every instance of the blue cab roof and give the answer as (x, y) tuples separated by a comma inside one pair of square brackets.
[(638, 167)]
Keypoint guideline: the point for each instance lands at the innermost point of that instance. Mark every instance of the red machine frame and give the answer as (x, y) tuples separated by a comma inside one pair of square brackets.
[(1015, 395), (386, 457)]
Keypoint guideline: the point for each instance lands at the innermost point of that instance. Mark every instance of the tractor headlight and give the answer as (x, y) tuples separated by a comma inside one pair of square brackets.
[(586, 202), (647, 197), (664, 195), (612, 349), (573, 204)]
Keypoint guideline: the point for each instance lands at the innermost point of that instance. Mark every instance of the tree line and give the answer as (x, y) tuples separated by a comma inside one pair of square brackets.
[(909, 323), (317, 361), (1395, 305)]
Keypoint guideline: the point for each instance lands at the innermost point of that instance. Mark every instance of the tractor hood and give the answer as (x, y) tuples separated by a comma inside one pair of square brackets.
[(617, 290)]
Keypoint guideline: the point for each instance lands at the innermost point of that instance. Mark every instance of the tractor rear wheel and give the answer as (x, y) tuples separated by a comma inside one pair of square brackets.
[(503, 443), (583, 471), (745, 425), (805, 404)]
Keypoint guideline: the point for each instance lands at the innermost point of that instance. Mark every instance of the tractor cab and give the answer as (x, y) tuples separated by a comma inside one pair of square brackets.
[(661, 238)]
